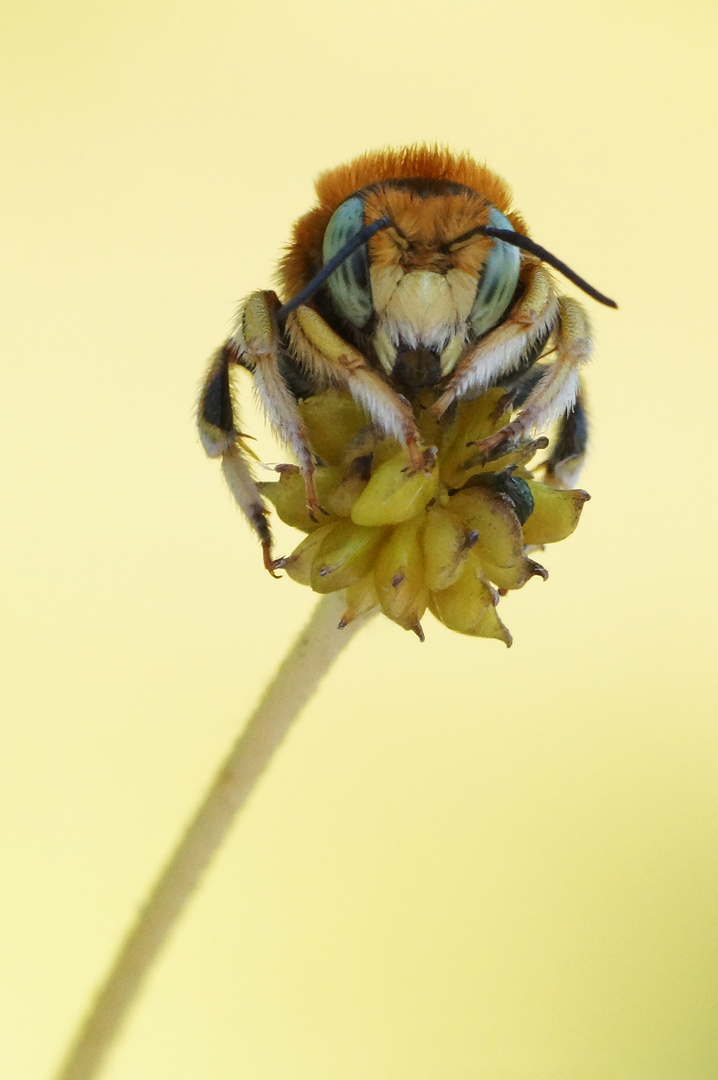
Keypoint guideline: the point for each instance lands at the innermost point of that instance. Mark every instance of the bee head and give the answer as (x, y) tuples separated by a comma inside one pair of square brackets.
[(430, 283), (416, 268)]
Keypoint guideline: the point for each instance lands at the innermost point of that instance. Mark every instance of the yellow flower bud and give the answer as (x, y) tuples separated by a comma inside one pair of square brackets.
[(345, 556), (555, 514), (399, 576), (332, 419), (299, 564), (395, 492), (341, 500), (446, 543), (361, 598), (475, 420), (490, 626), (462, 605), (501, 545), (289, 496)]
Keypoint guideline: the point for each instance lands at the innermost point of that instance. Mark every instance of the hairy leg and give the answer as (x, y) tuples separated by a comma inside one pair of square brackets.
[(502, 351), (556, 391), (331, 359), (220, 438), (569, 450)]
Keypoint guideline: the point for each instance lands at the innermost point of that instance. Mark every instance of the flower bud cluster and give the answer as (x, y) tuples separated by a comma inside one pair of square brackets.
[(451, 536)]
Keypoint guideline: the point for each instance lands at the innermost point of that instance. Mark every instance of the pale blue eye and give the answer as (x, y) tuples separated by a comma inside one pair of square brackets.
[(349, 285), (498, 280)]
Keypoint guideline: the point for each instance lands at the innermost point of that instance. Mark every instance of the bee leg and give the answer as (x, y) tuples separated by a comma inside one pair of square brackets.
[(518, 387), (557, 390), (331, 359), (220, 438), (569, 451), (503, 350), (257, 341)]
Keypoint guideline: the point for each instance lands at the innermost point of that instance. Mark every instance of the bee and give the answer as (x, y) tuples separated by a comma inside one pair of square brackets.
[(413, 271)]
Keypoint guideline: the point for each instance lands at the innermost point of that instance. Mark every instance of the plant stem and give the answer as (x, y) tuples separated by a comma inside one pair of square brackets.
[(318, 644)]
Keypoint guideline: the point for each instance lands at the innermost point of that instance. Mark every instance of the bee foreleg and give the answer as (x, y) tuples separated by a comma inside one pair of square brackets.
[(502, 350), (331, 359)]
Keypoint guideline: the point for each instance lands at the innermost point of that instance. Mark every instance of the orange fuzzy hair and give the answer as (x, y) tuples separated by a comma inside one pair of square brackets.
[(303, 257)]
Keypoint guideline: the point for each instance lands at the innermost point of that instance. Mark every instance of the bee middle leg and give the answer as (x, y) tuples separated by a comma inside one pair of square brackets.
[(569, 446), (555, 392), (257, 342)]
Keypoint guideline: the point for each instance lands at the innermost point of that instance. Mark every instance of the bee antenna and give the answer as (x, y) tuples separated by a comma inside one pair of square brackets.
[(523, 242), (336, 260)]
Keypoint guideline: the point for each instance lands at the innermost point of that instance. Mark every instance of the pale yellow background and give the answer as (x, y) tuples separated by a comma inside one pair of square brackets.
[(467, 862)]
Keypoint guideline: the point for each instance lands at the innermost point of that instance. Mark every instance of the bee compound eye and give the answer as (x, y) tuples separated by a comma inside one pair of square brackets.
[(349, 285), (498, 280)]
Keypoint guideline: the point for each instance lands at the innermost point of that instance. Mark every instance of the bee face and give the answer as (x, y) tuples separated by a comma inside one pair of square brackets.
[(427, 285)]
